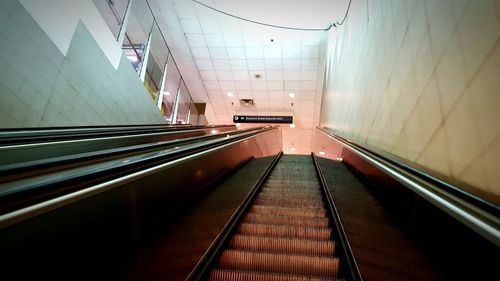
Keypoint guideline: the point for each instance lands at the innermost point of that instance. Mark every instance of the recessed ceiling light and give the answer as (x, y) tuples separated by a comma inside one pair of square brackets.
[(214, 131), (292, 95), (292, 125), (238, 124), (166, 93), (322, 153), (292, 149), (229, 94)]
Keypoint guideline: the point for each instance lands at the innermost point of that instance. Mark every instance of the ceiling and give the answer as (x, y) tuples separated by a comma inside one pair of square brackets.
[(227, 53)]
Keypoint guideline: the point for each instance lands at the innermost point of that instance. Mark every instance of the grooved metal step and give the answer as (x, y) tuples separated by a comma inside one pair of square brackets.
[(286, 220), (231, 275), (285, 235), (279, 263), (283, 245)]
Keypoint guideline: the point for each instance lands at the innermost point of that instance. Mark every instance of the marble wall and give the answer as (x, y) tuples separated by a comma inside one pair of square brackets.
[(420, 80)]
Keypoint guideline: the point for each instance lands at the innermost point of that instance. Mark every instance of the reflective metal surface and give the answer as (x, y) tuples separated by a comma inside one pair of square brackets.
[(100, 225), (485, 223)]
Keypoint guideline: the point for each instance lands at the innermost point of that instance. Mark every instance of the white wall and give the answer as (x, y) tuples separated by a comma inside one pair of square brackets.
[(421, 80), (58, 18)]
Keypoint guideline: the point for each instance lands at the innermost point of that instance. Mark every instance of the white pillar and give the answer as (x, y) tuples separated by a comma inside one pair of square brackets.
[(145, 57), (162, 86), (123, 27), (176, 105)]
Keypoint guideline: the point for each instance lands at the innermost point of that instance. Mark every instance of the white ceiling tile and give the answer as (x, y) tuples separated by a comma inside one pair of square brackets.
[(275, 94), (307, 95), (227, 85), (221, 64), (260, 94), (211, 85), (291, 52), (185, 10), (252, 39), (233, 40), (238, 64), (291, 75), (190, 26), (224, 75), (240, 75), (216, 94), (308, 74), (274, 75), (290, 64), (259, 85), (243, 86), (255, 64), (210, 26), (254, 53), (230, 25), (214, 40), (254, 72), (311, 64), (292, 85), (271, 40), (272, 53), (204, 64), (308, 85), (309, 52), (291, 39), (244, 94), (217, 53), (195, 39), (274, 64), (275, 85), (310, 39), (200, 53), (236, 53), (208, 75), (204, 13)]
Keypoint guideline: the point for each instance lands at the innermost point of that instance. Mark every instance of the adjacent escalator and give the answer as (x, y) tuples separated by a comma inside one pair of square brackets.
[(381, 249), (286, 234)]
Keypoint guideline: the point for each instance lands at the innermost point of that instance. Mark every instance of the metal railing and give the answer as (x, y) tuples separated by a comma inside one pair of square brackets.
[(471, 212)]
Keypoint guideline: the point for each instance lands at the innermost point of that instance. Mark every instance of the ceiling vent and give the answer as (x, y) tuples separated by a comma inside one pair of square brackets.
[(246, 102)]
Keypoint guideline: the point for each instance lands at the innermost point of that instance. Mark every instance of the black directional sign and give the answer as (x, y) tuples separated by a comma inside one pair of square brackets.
[(262, 119)]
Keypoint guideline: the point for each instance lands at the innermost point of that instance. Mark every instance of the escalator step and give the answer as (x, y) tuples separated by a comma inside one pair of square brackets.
[(297, 194), (231, 275), (285, 231), (279, 263), (286, 220), (309, 212), (283, 245), (299, 203)]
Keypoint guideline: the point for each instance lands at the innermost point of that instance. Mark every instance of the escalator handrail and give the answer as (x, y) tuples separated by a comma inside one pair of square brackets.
[(73, 196), (41, 163), (202, 268), (351, 264), (480, 216), (36, 135)]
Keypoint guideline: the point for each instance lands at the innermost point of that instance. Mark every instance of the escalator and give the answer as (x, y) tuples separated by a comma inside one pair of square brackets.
[(224, 206), (381, 249), (286, 234)]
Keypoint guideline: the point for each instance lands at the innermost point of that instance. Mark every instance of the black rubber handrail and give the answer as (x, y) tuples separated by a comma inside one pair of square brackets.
[(17, 168), (59, 183), (345, 254), (476, 213), (208, 260), (35, 135), (478, 201)]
